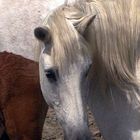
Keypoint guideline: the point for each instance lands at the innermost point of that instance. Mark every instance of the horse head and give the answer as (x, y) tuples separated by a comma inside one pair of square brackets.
[(64, 63)]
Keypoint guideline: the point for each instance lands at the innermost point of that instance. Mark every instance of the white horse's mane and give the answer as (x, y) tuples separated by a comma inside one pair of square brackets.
[(117, 33)]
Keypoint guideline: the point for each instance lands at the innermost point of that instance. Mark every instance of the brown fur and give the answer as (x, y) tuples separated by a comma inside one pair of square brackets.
[(21, 101)]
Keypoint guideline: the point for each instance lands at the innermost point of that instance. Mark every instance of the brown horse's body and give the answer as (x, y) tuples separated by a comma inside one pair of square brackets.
[(22, 106)]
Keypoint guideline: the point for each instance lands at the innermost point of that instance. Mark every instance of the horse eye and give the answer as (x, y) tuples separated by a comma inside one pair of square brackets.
[(51, 75)]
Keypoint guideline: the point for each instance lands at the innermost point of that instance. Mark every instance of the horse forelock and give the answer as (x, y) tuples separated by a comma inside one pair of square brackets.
[(66, 41)]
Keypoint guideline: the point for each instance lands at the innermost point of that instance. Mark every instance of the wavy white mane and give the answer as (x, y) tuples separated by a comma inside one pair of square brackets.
[(116, 37)]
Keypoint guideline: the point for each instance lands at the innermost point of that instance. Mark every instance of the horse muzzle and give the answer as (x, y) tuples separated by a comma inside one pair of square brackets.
[(72, 134)]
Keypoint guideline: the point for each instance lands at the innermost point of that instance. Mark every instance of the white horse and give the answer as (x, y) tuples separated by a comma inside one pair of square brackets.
[(91, 56)]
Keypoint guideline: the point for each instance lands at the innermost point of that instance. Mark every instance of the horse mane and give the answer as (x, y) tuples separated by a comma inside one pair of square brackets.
[(117, 39), (116, 35)]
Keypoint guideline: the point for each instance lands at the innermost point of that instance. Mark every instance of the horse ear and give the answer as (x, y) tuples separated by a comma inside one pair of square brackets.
[(42, 34), (84, 23)]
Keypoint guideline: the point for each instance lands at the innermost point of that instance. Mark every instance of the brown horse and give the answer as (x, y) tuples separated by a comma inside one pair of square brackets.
[(22, 108)]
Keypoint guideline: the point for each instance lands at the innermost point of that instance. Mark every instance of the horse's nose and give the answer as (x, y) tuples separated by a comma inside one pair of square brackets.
[(77, 135)]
